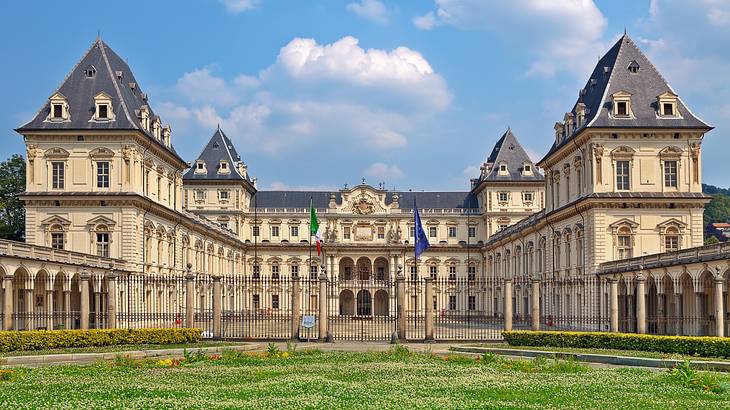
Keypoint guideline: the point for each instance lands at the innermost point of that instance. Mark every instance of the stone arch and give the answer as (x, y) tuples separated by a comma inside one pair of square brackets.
[(381, 303), (652, 305), (380, 269), (347, 303), (705, 303), (364, 303), (347, 269), (364, 268)]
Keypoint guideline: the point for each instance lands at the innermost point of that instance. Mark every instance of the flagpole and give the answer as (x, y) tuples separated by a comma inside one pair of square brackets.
[(311, 206), (415, 236)]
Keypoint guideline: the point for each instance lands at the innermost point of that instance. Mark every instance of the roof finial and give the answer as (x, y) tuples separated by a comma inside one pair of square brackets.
[(98, 35), (624, 31), (219, 126)]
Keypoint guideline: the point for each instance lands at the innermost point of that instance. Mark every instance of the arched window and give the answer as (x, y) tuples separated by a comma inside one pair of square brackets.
[(58, 236), (671, 239), (624, 243), (102, 240)]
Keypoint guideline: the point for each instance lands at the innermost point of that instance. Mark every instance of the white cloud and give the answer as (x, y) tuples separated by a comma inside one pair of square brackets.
[(426, 21), (560, 34), (200, 85), (472, 171), (383, 171), (372, 10), (239, 6)]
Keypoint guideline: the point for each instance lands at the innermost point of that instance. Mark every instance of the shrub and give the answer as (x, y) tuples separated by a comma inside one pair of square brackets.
[(687, 345), (687, 376), (53, 339)]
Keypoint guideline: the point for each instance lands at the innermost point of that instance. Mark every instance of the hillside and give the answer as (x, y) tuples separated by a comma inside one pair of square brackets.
[(718, 210)]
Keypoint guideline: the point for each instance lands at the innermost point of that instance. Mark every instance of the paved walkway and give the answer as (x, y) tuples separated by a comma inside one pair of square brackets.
[(594, 360)]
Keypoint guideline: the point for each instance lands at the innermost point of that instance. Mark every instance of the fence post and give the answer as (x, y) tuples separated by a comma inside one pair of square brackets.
[(8, 303), (111, 300), (428, 304), (217, 306), (296, 307), (84, 276), (189, 299), (613, 282), (640, 302), (323, 336), (400, 291), (719, 308), (508, 304), (535, 313)]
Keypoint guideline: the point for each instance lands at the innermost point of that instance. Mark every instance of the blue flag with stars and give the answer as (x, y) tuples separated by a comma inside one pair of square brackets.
[(419, 235)]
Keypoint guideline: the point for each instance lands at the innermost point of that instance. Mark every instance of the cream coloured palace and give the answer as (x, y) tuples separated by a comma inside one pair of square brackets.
[(621, 180)]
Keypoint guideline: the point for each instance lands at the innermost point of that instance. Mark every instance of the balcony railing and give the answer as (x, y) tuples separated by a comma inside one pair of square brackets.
[(44, 253), (691, 255)]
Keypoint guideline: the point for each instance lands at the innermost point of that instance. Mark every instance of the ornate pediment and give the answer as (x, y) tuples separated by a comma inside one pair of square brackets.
[(55, 220), (363, 200)]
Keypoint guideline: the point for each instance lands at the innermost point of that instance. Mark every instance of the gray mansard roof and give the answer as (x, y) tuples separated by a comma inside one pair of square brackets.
[(425, 200), (508, 150), (112, 76), (612, 75), (219, 148)]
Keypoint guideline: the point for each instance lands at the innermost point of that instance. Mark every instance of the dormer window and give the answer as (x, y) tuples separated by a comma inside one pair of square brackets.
[(526, 169), (144, 117), (633, 67), (103, 103), (502, 170), (59, 108), (667, 104), (200, 167), (622, 105), (223, 168), (166, 131), (90, 71)]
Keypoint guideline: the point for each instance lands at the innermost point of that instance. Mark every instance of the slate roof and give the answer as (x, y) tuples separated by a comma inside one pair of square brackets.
[(219, 147), (425, 200), (611, 75), (508, 150), (80, 90)]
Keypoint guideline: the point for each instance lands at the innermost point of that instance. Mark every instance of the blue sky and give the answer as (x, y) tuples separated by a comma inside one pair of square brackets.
[(316, 94)]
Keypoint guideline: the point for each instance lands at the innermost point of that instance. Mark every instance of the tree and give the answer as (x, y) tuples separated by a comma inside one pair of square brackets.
[(12, 185), (718, 210)]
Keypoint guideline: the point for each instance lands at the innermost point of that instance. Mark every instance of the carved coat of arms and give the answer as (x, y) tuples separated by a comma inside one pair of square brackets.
[(363, 206)]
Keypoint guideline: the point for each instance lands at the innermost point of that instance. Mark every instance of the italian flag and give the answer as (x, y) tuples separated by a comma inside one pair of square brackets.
[(314, 227)]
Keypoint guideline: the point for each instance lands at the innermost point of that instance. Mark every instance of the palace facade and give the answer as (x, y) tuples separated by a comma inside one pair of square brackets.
[(622, 179)]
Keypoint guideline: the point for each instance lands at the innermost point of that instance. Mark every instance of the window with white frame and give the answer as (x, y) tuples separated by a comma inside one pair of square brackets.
[(58, 174), (255, 231), (623, 175), (503, 196), (624, 245), (199, 195), (381, 232), (102, 244), (472, 302), (452, 302), (294, 230), (275, 272), (224, 195), (274, 231), (346, 232), (671, 239), (58, 238), (432, 231), (527, 197), (670, 174), (313, 271), (452, 273), (256, 271), (471, 273), (275, 301), (472, 231), (102, 174), (294, 270), (452, 232), (433, 271)]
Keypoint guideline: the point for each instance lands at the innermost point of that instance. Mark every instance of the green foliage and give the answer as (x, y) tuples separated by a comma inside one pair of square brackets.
[(712, 240), (539, 364), (687, 376), (272, 350), (12, 184), (193, 357), (291, 348), (399, 351), (53, 339), (718, 210), (7, 375), (712, 190), (687, 345)]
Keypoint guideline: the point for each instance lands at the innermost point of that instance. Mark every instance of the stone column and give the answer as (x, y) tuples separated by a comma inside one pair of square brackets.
[(535, 313), (640, 303), (613, 283), (49, 308), (508, 304), (84, 277), (189, 299), (217, 306), (661, 314), (678, 321), (97, 309), (29, 304), (400, 293), (296, 307), (428, 305), (111, 300), (8, 303), (67, 308), (323, 314), (719, 309)]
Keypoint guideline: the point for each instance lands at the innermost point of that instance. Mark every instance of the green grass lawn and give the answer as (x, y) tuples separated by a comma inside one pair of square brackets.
[(118, 348), (610, 352), (349, 380)]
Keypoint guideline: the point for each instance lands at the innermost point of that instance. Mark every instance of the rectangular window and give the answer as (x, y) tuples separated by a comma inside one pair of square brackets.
[(527, 196), (452, 273), (472, 231), (275, 272), (346, 232), (433, 271), (432, 231), (102, 174), (452, 302), (256, 302), (435, 303), (413, 232), (294, 269), (275, 301), (622, 109), (103, 111), (668, 109), (102, 244), (622, 175), (199, 195), (472, 302), (452, 232), (224, 195), (380, 273), (671, 243), (256, 271), (59, 174), (255, 230), (294, 231), (313, 272), (471, 273), (57, 240), (670, 174), (503, 197), (57, 111), (381, 232), (274, 231), (624, 247)]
